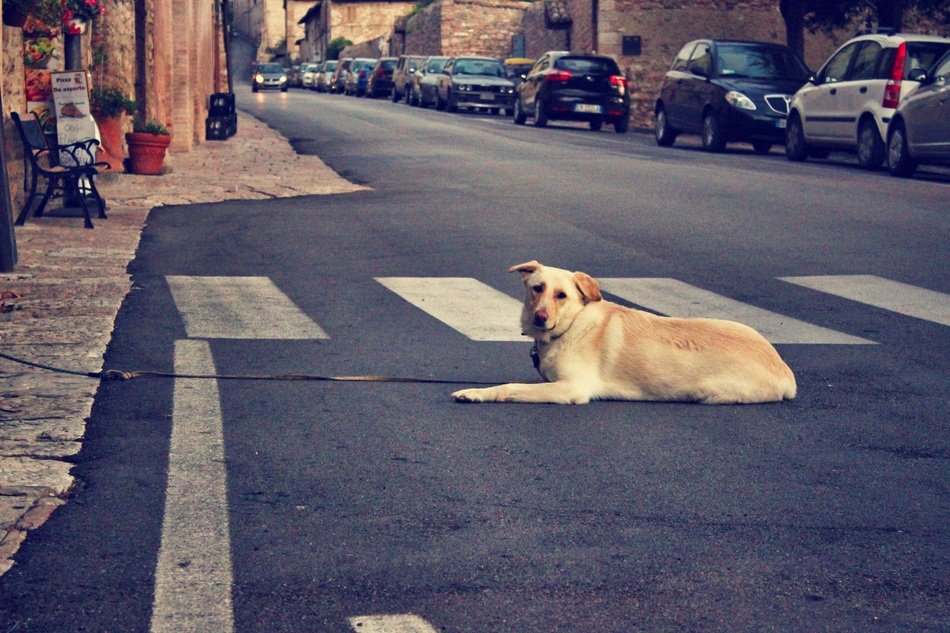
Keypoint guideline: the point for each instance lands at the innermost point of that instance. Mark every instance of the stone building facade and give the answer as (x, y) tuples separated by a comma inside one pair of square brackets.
[(167, 55), (359, 21)]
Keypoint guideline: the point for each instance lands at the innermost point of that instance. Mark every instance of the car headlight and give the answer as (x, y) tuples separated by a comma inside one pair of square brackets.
[(739, 100), (283, 78), (259, 78), (464, 87)]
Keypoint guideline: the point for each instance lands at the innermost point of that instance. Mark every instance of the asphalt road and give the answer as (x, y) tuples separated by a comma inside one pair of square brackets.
[(310, 506)]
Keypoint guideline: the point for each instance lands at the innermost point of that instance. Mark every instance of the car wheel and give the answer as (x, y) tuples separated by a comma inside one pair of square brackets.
[(870, 145), (509, 111), (622, 125), (439, 103), (596, 124), (394, 96), (253, 88), (761, 147), (519, 116), (899, 161), (540, 116), (713, 138), (451, 105), (664, 133), (796, 149)]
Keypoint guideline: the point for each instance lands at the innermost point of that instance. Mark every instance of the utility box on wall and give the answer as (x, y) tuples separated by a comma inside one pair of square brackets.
[(631, 45)]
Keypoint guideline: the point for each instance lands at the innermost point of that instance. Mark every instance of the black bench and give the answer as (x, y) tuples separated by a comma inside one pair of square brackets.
[(70, 182)]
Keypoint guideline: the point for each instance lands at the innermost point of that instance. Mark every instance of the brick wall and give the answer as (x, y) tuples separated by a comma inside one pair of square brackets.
[(538, 37), (480, 27), (424, 32)]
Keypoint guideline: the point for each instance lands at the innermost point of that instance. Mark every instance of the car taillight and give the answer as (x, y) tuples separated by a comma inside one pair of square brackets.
[(892, 91), (362, 74), (620, 82), (558, 75)]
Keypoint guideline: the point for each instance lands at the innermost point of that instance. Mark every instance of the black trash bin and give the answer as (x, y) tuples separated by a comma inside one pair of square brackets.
[(222, 117)]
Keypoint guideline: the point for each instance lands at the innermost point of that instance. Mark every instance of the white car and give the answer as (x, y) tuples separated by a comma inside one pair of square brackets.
[(849, 103), (309, 72)]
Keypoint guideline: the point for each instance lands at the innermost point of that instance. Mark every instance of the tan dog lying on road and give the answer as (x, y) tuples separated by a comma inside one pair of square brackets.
[(589, 348)]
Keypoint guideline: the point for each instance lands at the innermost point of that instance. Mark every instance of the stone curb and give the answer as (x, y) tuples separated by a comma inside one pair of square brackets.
[(59, 307)]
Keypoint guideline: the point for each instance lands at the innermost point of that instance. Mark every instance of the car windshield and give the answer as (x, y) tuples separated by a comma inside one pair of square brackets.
[(388, 64), (587, 66), (270, 68), (436, 65), (479, 67), (330, 66), (760, 62)]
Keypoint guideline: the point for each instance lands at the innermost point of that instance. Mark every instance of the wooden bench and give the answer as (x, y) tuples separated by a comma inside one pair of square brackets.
[(70, 182)]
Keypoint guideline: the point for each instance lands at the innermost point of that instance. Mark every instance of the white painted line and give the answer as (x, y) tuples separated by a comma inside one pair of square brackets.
[(676, 298), (467, 305), (193, 576), (879, 292), (391, 624), (239, 308)]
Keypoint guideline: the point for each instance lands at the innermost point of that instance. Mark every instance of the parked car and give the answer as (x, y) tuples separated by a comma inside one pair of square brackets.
[(269, 76), (920, 130), (308, 72), (380, 80), (422, 91), (851, 100), (295, 77), (728, 91), (339, 75), (574, 87), (517, 68), (406, 67), (356, 77), (474, 82), (324, 75)]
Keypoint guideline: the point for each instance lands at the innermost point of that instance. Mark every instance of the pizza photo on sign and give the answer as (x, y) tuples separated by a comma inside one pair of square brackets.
[(71, 110)]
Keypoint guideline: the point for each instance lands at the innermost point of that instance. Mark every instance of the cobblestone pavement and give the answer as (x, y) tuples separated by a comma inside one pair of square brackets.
[(59, 307)]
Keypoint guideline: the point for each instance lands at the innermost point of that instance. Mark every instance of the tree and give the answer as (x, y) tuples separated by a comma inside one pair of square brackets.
[(337, 45)]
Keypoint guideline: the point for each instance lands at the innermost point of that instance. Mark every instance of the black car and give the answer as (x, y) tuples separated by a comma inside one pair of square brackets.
[(729, 91), (380, 82), (574, 87), (474, 82)]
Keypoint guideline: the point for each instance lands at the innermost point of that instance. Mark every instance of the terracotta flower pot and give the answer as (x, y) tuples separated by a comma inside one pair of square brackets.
[(110, 149), (146, 152)]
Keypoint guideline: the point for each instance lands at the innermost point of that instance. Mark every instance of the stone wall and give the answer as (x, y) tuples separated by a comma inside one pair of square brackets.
[(423, 34), (538, 37), (481, 27)]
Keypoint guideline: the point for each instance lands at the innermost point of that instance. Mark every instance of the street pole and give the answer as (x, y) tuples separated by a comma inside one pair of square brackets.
[(8, 254)]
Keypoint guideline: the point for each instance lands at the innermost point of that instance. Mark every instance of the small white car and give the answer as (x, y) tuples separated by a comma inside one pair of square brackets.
[(849, 103)]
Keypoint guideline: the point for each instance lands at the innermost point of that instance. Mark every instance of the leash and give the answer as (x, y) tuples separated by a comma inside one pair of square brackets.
[(119, 375)]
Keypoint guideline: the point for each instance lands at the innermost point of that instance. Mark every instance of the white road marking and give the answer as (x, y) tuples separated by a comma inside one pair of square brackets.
[(676, 298), (391, 624), (879, 292), (467, 305), (239, 308), (193, 576)]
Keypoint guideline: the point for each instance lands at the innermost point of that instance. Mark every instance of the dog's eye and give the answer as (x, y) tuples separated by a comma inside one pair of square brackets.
[(562, 295), (538, 288)]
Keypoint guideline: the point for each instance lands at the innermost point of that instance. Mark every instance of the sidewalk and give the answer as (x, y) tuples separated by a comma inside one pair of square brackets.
[(60, 305)]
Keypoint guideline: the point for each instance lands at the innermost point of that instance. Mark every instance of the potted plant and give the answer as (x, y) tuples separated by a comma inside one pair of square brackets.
[(108, 104), (147, 143), (15, 12)]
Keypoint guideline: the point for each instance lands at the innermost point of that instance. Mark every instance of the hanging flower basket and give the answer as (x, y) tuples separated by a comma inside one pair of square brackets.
[(78, 13)]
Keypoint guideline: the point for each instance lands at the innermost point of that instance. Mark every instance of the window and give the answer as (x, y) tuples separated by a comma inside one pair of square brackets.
[(700, 62), (865, 62), (681, 58), (837, 67)]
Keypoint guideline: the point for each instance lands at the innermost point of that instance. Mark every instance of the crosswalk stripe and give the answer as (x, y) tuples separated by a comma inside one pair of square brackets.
[(193, 575), (879, 292), (467, 305), (391, 624), (676, 298), (239, 308)]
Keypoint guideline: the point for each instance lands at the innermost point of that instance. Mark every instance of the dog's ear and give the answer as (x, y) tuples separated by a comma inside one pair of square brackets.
[(588, 286), (526, 269)]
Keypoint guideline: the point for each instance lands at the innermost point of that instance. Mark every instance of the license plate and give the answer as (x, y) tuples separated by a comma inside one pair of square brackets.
[(588, 108), (488, 96)]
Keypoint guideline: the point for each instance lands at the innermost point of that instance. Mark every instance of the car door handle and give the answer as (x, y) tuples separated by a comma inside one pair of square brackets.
[(863, 89), (834, 91)]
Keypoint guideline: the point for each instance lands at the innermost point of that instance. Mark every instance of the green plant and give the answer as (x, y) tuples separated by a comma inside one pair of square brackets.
[(111, 102), (49, 12), (336, 45), (149, 126)]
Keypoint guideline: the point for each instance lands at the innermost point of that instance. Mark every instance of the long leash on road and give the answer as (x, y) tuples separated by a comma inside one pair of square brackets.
[(116, 374)]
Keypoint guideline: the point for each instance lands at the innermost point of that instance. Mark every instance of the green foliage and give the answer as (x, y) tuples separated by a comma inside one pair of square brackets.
[(111, 102), (150, 126), (337, 45)]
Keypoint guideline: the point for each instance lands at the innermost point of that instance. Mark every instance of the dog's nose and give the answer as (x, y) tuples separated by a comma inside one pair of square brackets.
[(541, 317)]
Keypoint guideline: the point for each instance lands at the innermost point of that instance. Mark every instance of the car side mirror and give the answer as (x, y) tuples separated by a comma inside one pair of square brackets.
[(918, 74)]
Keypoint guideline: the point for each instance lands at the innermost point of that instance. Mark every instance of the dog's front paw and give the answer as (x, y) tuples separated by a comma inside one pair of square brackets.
[(470, 395)]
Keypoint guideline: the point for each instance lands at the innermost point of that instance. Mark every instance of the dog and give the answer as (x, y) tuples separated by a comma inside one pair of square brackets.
[(588, 348)]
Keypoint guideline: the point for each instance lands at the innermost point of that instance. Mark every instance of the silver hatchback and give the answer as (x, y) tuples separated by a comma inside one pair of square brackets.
[(920, 129)]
